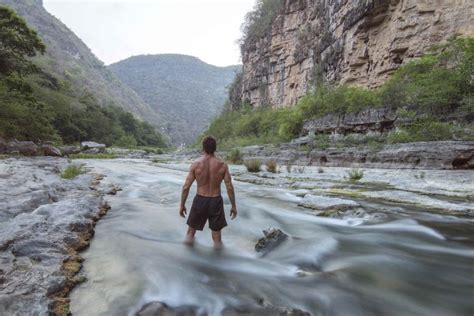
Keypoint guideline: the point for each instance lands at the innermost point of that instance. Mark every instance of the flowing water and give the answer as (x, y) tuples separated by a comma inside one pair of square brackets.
[(407, 262)]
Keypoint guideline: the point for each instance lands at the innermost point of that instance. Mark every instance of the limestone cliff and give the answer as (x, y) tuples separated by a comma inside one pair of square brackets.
[(358, 42)]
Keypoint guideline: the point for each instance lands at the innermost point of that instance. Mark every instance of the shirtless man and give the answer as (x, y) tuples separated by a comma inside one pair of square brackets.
[(209, 172)]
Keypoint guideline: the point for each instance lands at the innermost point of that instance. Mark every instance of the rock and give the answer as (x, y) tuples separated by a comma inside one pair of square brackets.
[(419, 155), (44, 222), (160, 309), (49, 150), (355, 42), (369, 120), (324, 203), (69, 150), (3, 146), (25, 148), (273, 238), (92, 147), (93, 151)]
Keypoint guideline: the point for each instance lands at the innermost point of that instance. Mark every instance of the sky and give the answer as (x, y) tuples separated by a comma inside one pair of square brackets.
[(117, 29)]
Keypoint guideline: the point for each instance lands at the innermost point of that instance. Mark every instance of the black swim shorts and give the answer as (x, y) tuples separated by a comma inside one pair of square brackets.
[(207, 208)]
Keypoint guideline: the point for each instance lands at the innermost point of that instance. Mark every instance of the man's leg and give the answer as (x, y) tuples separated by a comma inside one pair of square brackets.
[(216, 237), (190, 235)]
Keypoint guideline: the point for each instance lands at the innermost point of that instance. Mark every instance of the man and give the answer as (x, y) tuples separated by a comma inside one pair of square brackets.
[(209, 172)]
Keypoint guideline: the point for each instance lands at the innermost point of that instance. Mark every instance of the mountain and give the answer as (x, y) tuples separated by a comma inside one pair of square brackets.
[(68, 59), (185, 91)]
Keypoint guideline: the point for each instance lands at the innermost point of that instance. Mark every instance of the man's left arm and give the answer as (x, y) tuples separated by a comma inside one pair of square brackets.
[(185, 192)]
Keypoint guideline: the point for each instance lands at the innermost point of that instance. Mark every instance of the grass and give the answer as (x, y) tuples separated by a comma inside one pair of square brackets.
[(355, 175), (253, 165), (92, 156), (72, 171), (271, 166), (234, 156)]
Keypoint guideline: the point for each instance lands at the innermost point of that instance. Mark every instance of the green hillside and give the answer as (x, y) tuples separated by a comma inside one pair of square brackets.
[(41, 101), (68, 58), (186, 92)]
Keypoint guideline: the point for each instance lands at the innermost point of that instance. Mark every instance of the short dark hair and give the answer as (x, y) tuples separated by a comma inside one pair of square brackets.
[(209, 145)]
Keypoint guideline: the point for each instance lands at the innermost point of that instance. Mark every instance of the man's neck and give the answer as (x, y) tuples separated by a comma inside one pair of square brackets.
[(206, 155)]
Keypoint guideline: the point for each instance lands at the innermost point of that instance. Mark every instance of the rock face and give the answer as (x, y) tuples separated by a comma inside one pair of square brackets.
[(358, 42), (44, 222), (419, 155), (377, 120)]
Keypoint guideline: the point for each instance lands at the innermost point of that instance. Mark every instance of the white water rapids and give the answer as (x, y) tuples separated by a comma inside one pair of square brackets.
[(403, 264)]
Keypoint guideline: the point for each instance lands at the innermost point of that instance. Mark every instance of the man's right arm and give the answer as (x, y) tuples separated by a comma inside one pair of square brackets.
[(230, 192)]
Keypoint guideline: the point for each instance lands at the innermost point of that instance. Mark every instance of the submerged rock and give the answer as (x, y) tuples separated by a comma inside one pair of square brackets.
[(324, 203), (273, 238), (160, 309)]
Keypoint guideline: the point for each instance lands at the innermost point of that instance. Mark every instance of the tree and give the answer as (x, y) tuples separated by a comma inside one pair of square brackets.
[(18, 43)]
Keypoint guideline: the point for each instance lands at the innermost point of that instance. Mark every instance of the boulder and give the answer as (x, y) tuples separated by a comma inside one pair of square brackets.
[(26, 148), (273, 237), (69, 150), (92, 147), (3, 146), (323, 203), (49, 150)]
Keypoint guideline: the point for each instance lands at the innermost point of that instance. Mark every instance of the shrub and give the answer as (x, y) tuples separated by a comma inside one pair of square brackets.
[(322, 141), (234, 156), (126, 141), (271, 166), (355, 175), (253, 165), (72, 171)]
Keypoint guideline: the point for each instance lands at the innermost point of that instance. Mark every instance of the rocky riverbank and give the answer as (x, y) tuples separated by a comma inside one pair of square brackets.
[(419, 155), (45, 221)]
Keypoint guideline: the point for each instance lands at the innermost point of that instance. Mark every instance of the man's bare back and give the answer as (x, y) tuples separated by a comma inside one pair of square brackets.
[(209, 172)]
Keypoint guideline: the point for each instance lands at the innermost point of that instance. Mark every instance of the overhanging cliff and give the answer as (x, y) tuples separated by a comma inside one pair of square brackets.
[(360, 42)]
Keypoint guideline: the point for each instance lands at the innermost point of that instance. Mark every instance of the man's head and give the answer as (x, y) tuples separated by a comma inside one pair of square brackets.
[(209, 145)]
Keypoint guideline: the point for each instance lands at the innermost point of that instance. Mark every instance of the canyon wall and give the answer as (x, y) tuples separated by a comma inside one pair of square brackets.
[(358, 42)]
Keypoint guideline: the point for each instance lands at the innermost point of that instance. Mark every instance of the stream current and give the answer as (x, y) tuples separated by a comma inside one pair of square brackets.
[(397, 265)]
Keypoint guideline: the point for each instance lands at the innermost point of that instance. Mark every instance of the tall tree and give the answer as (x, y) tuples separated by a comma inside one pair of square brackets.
[(18, 43)]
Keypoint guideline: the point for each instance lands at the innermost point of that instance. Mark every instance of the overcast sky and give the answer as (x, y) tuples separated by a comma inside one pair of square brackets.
[(117, 29)]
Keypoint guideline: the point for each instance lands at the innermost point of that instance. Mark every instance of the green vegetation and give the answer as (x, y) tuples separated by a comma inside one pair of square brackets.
[(431, 86), (253, 165), (38, 106), (185, 91), (92, 156), (354, 175), (258, 22), (271, 166), (72, 171), (234, 156)]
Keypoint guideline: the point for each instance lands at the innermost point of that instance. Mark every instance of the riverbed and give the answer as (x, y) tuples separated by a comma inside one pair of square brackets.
[(405, 246)]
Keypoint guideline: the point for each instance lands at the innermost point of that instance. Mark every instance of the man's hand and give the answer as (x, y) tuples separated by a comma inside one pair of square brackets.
[(233, 212), (182, 211)]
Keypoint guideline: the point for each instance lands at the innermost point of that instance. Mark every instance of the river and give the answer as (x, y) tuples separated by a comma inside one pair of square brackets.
[(395, 260)]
